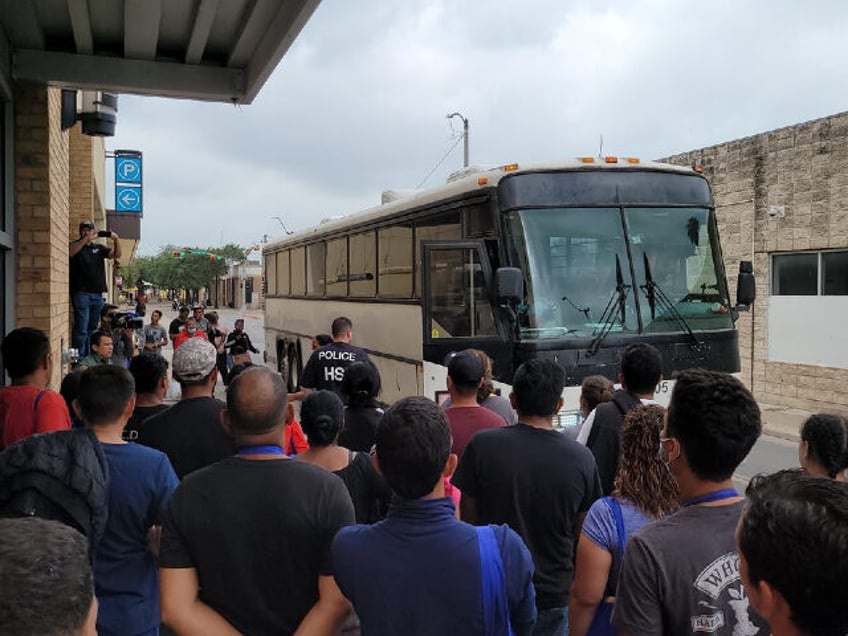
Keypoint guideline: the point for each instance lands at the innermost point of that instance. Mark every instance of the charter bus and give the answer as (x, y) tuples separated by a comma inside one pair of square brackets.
[(571, 261)]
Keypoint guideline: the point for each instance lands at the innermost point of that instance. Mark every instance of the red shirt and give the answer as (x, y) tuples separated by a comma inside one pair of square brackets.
[(185, 335), (20, 417), (467, 420), (295, 439)]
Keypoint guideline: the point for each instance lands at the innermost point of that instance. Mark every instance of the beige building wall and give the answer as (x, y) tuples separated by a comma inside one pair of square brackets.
[(804, 170), (42, 208)]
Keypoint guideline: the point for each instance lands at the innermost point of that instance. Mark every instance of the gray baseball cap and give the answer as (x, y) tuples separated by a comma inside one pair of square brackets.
[(194, 360)]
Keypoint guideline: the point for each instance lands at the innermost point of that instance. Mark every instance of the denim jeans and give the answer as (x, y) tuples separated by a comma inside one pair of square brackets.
[(552, 622), (87, 306)]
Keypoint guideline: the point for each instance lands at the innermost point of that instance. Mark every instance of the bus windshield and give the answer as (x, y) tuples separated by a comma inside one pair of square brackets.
[(578, 273)]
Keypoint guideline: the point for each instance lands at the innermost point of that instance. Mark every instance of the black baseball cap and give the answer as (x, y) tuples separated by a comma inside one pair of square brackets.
[(88, 224), (465, 369), (183, 309)]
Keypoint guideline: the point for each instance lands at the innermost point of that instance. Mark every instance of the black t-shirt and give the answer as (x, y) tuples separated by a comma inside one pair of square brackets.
[(368, 490), (88, 274), (326, 366), (539, 482), (140, 414), (360, 427), (259, 535), (190, 433), (175, 326)]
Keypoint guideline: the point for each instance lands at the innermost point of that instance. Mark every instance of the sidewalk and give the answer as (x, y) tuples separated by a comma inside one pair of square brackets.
[(782, 421)]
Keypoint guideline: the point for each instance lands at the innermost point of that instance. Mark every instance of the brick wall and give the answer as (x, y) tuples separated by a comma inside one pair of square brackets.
[(41, 215), (805, 169)]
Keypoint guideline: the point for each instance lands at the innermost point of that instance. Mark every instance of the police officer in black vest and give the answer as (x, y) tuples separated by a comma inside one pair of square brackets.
[(326, 366)]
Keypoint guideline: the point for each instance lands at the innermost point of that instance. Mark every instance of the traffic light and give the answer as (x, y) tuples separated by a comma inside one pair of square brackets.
[(177, 254)]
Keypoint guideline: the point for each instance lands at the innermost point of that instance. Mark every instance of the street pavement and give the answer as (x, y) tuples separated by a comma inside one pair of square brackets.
[(254, 325)]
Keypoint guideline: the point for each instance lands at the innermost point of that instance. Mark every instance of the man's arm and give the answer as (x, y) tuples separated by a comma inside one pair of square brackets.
[(327, 615), (250, 344), (182, 609), (75, 246), (115, 252)]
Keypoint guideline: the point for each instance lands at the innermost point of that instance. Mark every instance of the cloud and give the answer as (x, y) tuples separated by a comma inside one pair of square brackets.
[(359, 102)]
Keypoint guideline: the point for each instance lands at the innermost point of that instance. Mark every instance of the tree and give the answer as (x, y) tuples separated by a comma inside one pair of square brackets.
[(183, 268)]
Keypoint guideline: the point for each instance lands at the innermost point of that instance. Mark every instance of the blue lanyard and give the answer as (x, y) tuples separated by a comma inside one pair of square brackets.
[(718, 495), (265, 449)]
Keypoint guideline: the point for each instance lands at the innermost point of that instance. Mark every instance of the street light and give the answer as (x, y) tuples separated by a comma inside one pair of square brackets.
[(283, 225), (464, 137)]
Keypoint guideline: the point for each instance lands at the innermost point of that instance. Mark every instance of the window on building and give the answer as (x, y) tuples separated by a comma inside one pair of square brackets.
[(810, 274), (298, 271), (315, 255), (394, 246), (834, 275), (337, 275), (363, 265)]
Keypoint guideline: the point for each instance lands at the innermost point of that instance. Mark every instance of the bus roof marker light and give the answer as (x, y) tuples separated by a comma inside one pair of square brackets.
[(610, 159), (482, 181), (510, 167), (698, 169), (587, 159), (632, 160)]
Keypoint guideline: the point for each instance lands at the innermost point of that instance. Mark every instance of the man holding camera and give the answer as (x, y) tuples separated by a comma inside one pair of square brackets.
[(88, 280)]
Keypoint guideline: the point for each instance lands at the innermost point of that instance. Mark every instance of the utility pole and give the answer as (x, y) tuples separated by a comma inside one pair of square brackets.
[(464, 137)]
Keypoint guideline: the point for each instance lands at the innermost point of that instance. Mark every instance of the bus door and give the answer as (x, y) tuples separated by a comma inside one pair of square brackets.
[(457, 300)]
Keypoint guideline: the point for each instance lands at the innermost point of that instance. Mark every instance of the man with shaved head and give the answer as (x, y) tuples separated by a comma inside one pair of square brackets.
[(246, 542)]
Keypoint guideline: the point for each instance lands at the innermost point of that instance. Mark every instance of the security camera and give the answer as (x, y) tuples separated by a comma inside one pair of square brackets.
[(776, 212)]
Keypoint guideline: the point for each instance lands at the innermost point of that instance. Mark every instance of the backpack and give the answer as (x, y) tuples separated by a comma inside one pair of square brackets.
[(61, 476)]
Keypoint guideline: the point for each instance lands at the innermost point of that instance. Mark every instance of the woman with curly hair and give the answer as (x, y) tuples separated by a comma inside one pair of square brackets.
[(824, 446), (644, 490)]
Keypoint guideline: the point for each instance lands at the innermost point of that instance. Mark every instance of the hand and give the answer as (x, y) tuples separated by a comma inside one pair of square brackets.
[(114, 236)]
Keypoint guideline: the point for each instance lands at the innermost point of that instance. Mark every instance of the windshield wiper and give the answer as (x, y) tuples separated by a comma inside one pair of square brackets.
[(656, 296), (616, 308)]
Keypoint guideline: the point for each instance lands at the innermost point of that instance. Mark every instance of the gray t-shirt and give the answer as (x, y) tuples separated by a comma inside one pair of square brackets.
[(681, 576), (154, 334)]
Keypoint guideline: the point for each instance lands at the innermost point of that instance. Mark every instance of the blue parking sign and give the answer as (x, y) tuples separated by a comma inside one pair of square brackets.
[(128, 199), (127, 169)]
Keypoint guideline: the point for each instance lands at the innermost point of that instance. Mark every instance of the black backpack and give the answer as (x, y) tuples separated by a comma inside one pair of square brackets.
[(61, 476)]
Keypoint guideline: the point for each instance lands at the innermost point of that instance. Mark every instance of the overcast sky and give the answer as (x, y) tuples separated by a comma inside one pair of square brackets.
[(358, 104)]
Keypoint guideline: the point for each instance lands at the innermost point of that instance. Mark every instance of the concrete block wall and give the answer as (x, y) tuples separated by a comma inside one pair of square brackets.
[(41, 216), (804, 169)]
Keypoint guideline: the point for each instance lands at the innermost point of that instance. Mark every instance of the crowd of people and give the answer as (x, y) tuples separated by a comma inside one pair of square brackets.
[(476, 516)]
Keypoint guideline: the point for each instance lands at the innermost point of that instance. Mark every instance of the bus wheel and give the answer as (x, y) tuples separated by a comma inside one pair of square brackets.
[(282, 361), (294, 367)]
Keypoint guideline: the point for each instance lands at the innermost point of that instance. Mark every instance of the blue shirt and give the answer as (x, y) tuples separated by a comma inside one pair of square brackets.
[(141, 481), (600, 527), (417, 573)]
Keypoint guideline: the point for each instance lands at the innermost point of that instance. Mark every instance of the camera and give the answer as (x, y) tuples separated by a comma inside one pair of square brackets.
[(104, 234), (125, 320)]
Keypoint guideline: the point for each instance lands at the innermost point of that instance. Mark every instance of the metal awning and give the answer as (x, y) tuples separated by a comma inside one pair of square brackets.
[(217, 50)]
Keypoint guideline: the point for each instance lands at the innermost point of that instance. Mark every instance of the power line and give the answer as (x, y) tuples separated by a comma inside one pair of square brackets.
[(441, 161)]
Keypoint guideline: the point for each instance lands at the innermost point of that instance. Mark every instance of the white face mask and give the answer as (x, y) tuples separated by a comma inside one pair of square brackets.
[(191, 329)]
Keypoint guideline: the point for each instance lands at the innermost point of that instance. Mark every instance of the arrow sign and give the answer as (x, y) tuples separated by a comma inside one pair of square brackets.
[(128, 170), (128, 199)]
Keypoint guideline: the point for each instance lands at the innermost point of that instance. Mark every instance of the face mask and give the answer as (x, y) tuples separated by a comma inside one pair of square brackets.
[(191, 330)]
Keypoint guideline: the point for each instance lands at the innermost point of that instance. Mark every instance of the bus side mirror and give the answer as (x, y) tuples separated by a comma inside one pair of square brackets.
[(509, 284), (746, 287)]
